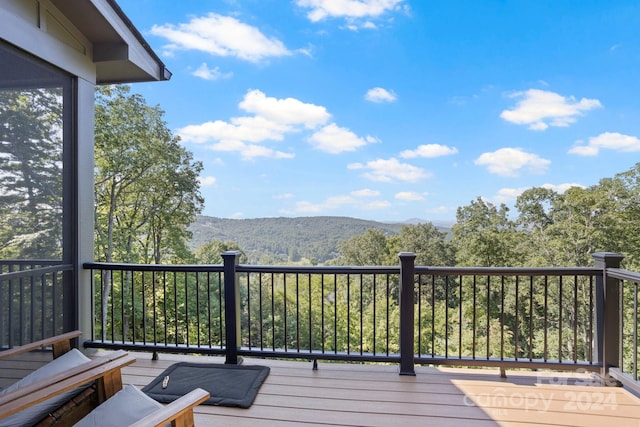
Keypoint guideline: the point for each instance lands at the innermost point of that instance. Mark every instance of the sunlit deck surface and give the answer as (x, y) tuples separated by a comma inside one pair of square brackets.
[(340, 394)]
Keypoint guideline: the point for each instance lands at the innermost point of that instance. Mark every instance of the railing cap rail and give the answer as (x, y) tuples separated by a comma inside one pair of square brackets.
[(153, 267), (621, 274), (509, 271), (35, 271)]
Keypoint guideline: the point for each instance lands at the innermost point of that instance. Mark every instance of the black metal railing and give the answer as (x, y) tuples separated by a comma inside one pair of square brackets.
[(32, 300), (158, 307), (558, 318), (507, 317), (626, 369), (319, 312)]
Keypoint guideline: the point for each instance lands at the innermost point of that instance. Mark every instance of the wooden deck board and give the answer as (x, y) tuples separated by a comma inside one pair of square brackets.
[(376, 395)]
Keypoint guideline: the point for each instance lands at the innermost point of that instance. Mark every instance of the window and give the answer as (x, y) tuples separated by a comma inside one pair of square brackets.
[(33, 97), (36, 198)]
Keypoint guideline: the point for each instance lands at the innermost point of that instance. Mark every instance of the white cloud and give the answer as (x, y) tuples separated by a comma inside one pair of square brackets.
[(540, 109), (358, 13), (204, 72), (335, 139), (607, 140), (429, 151), (561, 188), (207, 181), (220, 36), (372, 139), (510, 161), (380, 95), (330, 203), (378, 204), (273, 119), (322, 9), (359, 199), (390, 170), (252, 129), (409, 196), (509, 195), (250, 151), (284, 196), (288, 111), (365, 193), (304, 207)]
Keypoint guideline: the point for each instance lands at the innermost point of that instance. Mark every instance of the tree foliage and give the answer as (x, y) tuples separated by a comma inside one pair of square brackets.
[(146, 191), (211, 252), (370, 248), (484, 235), (146, 184), (430, 245)]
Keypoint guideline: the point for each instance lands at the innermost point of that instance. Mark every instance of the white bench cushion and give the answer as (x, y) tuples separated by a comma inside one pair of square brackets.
[(122, 409), (37, 412)]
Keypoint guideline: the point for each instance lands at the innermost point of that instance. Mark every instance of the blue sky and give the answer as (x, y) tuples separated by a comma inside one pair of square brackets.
[(394, 109)]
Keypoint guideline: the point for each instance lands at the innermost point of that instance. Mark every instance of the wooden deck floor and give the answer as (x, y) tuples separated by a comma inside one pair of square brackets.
[(375, 395)]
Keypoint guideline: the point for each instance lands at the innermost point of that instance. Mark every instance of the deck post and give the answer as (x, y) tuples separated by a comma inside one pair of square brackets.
[(407, 327), (607, 343), (231, 307)]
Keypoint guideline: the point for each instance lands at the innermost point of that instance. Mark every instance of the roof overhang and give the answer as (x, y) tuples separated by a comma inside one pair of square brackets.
[(120, 53)]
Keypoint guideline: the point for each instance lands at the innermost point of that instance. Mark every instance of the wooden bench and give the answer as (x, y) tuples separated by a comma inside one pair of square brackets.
[(103, 372), (104, 376), (59, 344)]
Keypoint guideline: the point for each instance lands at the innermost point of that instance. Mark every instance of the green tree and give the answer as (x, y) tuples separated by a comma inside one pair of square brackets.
[(146, 186), (211, 252), (370, 248), (623, 190), (536, 216), (565, 229), (485, 236), (425, 240)]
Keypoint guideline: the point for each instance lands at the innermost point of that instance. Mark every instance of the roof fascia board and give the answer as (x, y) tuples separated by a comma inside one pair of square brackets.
[(139, 51), (25, 36)]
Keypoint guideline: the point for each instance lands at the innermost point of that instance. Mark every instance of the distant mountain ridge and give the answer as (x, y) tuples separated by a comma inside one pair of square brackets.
[(286, 239)]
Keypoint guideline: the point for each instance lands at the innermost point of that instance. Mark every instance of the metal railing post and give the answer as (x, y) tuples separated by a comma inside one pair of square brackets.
[(231, 307), (607, 343), (407, 327)]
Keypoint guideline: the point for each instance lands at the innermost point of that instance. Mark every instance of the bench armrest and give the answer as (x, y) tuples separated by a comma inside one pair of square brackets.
[(60, 344), (179, 412)]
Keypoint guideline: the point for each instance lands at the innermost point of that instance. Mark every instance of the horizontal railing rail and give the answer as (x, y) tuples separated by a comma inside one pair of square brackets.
[(556, 318), (32, 305), (11, 265)]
